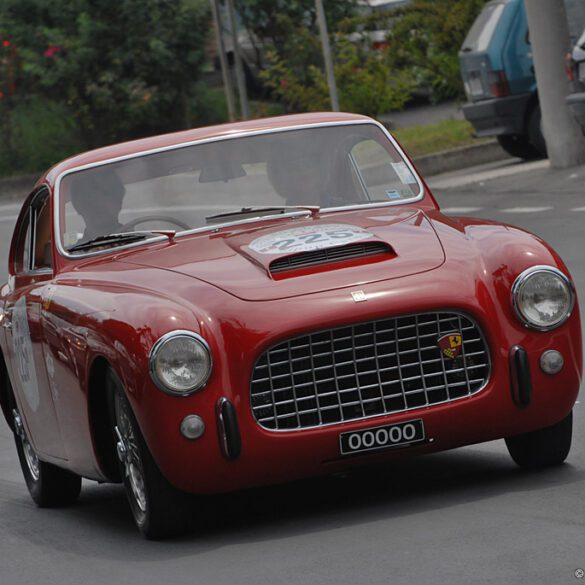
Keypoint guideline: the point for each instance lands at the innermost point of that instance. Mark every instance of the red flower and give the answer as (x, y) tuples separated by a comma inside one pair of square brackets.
[(51, 51), (6, 43), (284, 83), (1, 95)]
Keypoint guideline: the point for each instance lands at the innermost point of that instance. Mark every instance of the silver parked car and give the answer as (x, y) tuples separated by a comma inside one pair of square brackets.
[(575, 67)]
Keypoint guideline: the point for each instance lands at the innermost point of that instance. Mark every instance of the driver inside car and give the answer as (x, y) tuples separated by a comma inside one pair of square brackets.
[(98, 198)]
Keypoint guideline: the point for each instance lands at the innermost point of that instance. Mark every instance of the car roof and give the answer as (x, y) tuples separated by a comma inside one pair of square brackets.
[(196, 134)]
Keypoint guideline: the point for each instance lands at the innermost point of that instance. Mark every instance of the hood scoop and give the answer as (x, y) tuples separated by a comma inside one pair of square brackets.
[(259, 263), (374, 251)]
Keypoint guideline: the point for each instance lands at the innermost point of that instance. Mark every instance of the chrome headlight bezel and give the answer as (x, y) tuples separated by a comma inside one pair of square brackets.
[(523, 278), (159, 346)]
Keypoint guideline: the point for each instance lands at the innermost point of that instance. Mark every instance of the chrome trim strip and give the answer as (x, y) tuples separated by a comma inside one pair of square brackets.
[(452, 313), (158, 346), (215, 227), (521, 279)]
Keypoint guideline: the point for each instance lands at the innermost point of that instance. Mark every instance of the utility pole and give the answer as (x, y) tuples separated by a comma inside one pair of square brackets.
[(227, 82), (327, 55), (549, 37), (240, 77)]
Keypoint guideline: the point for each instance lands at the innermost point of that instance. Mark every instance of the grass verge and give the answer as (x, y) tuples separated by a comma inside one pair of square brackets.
[(431, 138)]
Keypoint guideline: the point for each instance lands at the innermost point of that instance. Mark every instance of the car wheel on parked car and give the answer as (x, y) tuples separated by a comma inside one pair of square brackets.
[(530, 145), (518, 145), (543, 448), (535, 135), (49, 486), (159, 509)]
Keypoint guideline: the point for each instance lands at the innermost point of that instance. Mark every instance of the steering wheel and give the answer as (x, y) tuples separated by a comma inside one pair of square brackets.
[(165, 218)]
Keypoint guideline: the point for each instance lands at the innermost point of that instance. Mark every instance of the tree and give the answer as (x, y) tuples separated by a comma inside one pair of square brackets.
[(274, 23), (123, 69), (425, 39)]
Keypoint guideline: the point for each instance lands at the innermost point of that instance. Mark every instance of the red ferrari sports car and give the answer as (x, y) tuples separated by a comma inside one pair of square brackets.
[(257, 302)]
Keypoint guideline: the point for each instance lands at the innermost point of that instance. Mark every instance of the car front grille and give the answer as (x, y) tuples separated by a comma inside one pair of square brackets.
[(366, 370)]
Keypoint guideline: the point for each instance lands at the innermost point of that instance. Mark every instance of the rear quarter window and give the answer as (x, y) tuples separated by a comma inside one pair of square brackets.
[(480, 34)]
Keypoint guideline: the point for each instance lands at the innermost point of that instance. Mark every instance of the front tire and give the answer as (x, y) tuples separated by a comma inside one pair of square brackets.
[(159, 509), (49, 486), (543, 448)]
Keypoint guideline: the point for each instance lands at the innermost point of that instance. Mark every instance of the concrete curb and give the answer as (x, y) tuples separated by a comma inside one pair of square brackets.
[(460, 158), (429, 165)]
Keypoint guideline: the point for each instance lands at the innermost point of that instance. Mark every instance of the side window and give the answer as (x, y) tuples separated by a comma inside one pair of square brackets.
[(42, 236), (22, 256), (382, 177), (33, 248)]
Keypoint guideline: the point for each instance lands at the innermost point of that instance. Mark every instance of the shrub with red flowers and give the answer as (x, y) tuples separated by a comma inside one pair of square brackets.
[(122, 69)]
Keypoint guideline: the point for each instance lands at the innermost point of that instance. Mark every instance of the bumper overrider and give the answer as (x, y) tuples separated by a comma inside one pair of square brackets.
[(237, 451), (576, 103)]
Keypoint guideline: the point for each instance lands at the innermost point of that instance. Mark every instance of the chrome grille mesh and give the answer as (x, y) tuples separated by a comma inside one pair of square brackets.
[(369, 369)]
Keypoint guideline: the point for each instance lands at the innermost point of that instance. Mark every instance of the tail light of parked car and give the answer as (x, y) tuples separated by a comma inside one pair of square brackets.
[(498, 84), (569, 67)]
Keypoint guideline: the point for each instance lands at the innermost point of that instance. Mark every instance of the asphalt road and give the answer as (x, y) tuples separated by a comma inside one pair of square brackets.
[(462, 517)]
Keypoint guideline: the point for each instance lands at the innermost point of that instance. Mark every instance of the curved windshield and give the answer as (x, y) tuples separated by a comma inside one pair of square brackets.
[(230, 180)]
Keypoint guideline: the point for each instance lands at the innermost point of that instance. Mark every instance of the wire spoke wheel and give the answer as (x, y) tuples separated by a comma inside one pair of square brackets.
[(49, 486), (129, 454), (159, 509), (30, 456)]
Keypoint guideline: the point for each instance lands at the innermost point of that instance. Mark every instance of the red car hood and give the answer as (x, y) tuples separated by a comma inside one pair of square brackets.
[(240, 259)]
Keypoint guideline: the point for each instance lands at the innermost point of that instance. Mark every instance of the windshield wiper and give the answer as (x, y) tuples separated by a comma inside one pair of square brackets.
[(117, 239), (259, 211)]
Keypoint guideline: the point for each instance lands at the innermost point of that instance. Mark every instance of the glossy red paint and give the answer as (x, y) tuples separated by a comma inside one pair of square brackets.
[(115, 306)]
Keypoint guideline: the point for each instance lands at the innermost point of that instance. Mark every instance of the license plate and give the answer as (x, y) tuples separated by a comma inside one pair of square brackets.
[(385, 437)]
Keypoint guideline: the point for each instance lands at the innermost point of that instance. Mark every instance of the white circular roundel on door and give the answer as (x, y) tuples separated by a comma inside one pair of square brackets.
[(308, 238)]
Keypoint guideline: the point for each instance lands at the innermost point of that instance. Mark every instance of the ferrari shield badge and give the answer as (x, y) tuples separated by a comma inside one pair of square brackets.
[(450, 344)]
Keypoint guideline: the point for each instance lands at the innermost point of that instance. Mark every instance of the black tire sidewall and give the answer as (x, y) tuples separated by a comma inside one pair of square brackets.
[(34, 486), (519, 146), (167, 508), (115, 389), (543, 448), (54, 488), (535, 134)]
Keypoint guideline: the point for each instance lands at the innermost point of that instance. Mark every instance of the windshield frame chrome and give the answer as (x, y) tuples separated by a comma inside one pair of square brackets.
[(215, 227)]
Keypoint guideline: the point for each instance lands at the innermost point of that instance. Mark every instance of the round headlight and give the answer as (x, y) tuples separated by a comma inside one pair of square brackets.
[(180, 363), (543, 297)]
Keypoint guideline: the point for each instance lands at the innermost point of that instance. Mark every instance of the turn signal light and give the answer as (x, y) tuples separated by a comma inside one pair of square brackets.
[(569, 67)]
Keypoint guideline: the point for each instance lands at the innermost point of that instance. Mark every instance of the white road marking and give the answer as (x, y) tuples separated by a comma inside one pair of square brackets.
[(449, 182), (460, 209), (525, 209), (578, 209)]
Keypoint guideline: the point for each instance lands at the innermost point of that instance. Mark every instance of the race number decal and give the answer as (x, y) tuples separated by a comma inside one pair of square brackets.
[(23, 354), (305, 239)]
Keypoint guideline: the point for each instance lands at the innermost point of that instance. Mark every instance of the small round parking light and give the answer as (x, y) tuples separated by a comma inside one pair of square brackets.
[(551, 361), (192, 427)]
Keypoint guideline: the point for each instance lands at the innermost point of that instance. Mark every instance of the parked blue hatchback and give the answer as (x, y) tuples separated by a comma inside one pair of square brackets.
[(498, 73)]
